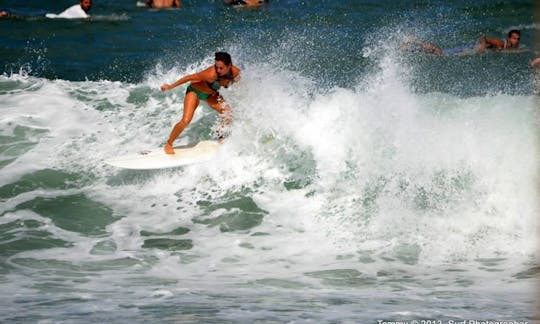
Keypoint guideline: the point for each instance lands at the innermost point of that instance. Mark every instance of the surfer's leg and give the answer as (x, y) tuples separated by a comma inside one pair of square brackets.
[(216, 102), (191, 101)]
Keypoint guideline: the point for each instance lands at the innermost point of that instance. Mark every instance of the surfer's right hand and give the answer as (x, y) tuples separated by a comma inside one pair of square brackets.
[(165, 86)]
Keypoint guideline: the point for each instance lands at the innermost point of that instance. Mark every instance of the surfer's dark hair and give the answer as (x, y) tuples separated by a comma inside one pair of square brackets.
[(223, 57), (514, 31)]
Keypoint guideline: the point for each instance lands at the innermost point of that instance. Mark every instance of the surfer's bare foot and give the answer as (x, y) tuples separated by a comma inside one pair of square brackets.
[(168, 149)]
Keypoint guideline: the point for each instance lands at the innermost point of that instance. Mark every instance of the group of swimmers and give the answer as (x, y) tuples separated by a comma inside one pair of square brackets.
[(81, 10), (178, 4)]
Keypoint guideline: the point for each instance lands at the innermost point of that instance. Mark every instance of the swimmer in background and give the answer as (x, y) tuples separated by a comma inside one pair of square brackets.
[(510, 43), (158, 4), (74, 12), (4, 13), (8, 14), (246, 3)]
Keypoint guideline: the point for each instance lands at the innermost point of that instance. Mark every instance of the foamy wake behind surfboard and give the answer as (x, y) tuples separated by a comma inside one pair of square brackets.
[(158, 159)]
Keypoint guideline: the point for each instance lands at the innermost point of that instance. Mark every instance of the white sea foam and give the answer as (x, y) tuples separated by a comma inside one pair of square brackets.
[(382, 171)]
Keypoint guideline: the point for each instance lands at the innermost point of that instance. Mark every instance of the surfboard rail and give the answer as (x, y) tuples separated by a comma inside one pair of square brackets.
[(157, 159)]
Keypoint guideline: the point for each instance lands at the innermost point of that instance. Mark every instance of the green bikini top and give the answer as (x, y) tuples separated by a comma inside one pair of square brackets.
[(216, 85)]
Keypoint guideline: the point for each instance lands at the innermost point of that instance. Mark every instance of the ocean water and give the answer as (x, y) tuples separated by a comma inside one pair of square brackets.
[(360, 183)]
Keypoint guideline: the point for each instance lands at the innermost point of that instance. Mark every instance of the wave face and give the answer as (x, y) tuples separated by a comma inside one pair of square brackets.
[(359, 182)]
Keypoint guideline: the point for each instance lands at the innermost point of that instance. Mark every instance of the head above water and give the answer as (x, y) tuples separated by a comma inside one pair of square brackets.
[(223, 63), (86, 5), (513, 37), (223, 57)]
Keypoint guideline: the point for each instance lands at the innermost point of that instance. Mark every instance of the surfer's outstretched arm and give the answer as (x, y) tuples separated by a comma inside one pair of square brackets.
[(488, 42), (203, 76)]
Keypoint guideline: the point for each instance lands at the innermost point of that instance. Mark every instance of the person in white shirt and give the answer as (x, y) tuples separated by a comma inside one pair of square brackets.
[(74, 12)]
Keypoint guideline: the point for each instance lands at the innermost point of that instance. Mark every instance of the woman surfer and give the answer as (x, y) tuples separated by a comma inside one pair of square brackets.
[(204, 85)]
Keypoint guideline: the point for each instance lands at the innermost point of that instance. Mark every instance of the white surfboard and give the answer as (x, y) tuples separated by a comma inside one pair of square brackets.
[(158, 159)]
